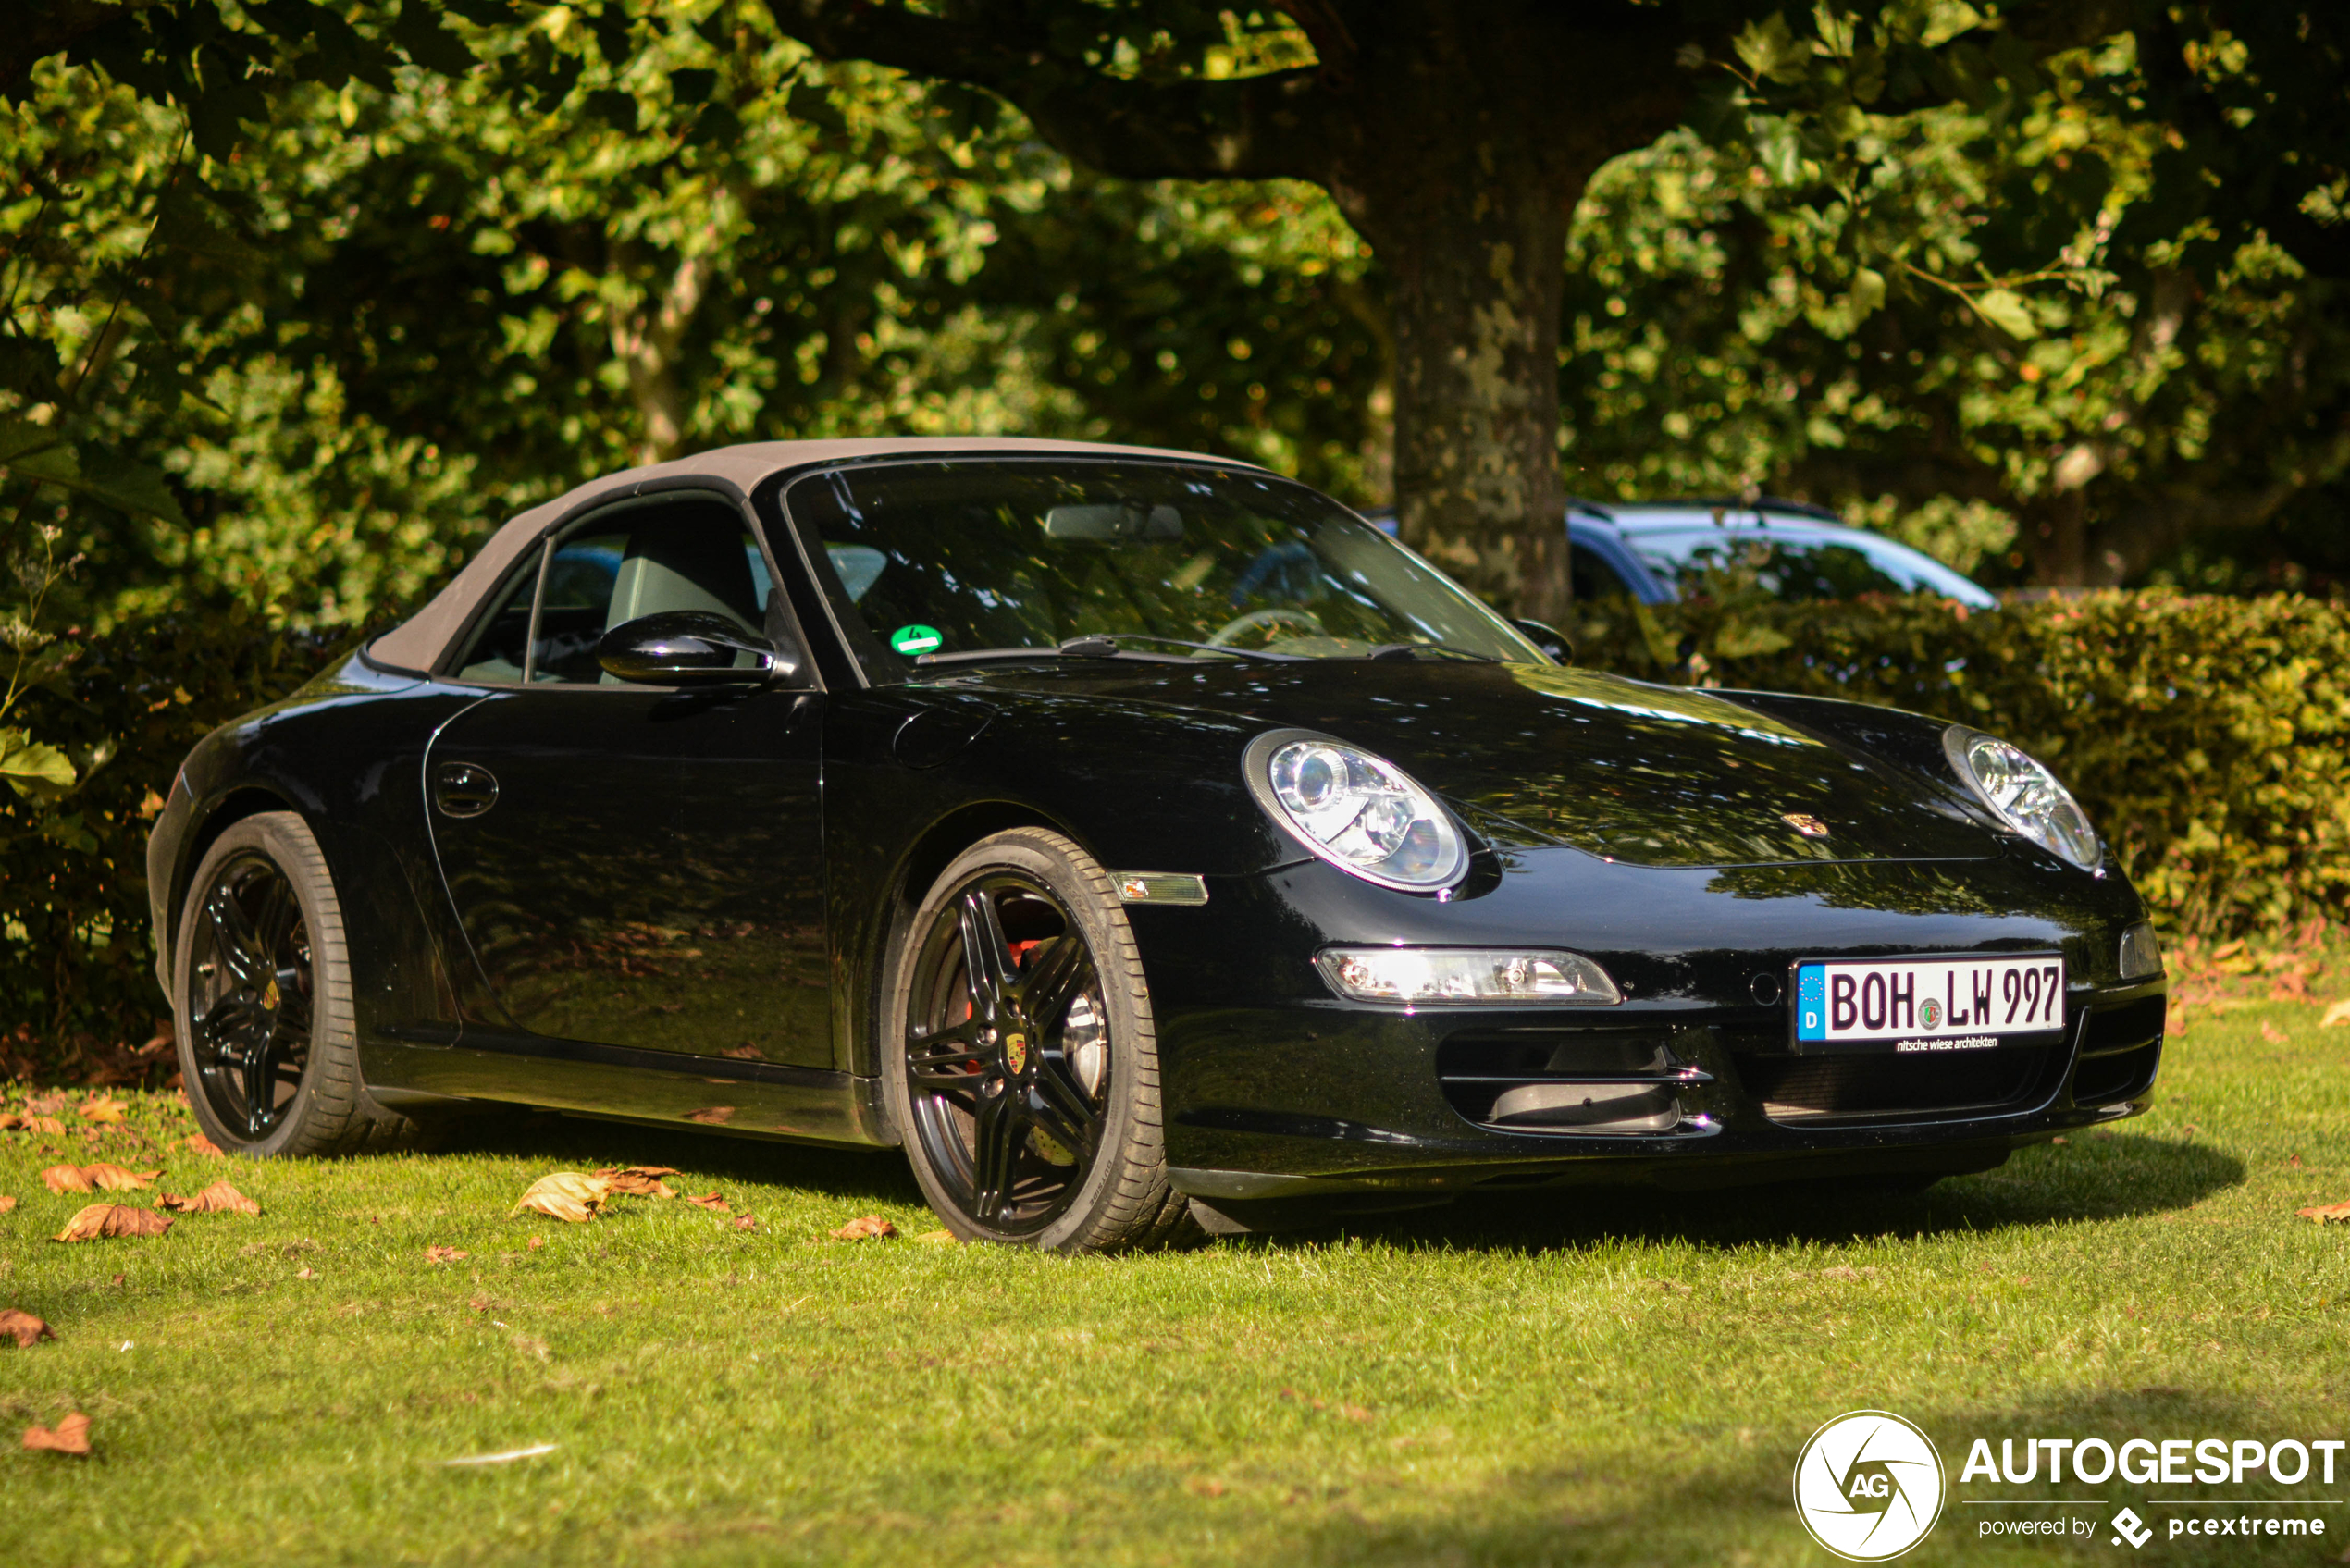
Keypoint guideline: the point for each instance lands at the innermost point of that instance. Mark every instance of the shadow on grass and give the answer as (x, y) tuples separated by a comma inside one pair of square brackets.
[(2110, 1178), (877, 1175), (1643, 1507), (2105, 1179)]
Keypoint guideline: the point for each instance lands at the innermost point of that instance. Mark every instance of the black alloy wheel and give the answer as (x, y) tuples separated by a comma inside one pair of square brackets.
[(252, 995), (1025, 1078), (262, 1002), (1007, 1057)]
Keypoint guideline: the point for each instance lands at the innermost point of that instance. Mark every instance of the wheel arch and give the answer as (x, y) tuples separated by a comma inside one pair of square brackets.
[(245, 800), (931, 852)]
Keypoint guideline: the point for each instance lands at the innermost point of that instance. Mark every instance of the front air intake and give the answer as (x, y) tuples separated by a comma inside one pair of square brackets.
[(1566, 1080)]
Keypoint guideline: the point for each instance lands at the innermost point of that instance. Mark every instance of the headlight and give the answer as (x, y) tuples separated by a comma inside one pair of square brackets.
[(1465, 974), (1362, 814), (2023, 794), (2141, 954)]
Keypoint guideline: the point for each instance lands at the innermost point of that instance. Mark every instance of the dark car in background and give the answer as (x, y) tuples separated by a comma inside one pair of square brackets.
[(1661, 552)]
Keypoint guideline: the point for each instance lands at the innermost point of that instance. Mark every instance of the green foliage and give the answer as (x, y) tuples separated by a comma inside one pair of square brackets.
[(2208, 738), (1909, 258), (76, 961)]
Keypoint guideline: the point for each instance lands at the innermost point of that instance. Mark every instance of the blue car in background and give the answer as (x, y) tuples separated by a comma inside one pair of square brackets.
[(1657, 553)]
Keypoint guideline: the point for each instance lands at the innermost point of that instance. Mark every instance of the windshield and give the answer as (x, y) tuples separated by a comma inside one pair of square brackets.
[(1797, 567), (954, 557)]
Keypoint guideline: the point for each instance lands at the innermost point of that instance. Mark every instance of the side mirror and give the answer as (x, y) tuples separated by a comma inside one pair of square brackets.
[(683, 648), (1550, 639)]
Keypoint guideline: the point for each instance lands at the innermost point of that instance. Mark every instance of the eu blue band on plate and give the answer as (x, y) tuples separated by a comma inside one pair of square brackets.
[(1811, 1002)]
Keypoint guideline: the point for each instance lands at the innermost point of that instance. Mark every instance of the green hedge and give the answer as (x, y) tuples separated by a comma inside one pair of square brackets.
[(77, 969), (2208, 738)]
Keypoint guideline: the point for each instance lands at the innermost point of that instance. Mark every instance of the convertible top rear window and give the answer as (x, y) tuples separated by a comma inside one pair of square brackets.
[(958, 556)]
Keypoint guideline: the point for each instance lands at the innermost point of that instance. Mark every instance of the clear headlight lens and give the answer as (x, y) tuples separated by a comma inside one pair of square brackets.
[(1489, 975), (2023, 794), (2141, 954), (1359, 812)]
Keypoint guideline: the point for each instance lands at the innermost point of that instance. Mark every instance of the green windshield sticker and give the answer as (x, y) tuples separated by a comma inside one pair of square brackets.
[(913, 640)]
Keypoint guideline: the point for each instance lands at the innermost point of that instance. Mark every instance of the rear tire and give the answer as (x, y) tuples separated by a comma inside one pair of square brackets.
[(1019, 1060), (262, 1001)]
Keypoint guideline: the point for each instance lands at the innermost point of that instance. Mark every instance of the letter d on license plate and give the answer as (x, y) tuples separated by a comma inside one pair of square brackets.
[(1927, 1005)]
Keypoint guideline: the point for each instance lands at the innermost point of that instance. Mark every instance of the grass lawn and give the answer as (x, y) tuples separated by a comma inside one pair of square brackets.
[(1580, 1377)]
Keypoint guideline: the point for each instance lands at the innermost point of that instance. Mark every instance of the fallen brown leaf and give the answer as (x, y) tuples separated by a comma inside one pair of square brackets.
[(2272, 1034), (566, 1195), (638, 1182), (113, 1178), (197, 1143), (6, 1203), (66, 1178), (2324, 1213), (711, 1201), (11, 1121), (100, 1220), (72, 1436), (2338, 1013), (871, 1227), (746, 1222), (24, 1328), (306, 1274), (2295, 1163), (712, 1115), (1205, 1486), (537, 1242), (106, 1110), (219, 1198), (48, 1104), (443, 1255), (49, 1127), (1356, 1413)]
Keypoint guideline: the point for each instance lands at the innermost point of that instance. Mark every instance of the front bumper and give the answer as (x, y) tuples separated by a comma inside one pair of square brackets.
[(1274, 1088)]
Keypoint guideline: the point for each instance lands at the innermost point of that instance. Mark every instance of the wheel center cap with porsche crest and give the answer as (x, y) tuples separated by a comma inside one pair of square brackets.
[(1806, 824), (1015, 1050)]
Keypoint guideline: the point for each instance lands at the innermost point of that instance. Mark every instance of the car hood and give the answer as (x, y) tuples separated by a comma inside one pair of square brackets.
[(1647, 774)]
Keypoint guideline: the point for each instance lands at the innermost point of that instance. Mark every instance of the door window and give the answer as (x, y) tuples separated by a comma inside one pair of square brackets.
[(1595, 576), (648, 562)]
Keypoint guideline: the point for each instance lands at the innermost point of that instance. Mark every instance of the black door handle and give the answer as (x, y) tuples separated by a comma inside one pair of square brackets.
[(464, 789)]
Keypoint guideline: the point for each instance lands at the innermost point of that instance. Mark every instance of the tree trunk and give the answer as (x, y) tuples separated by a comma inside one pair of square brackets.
[(1475, 301)]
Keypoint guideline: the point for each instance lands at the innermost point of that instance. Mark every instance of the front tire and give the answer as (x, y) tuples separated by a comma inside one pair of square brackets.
[(1018, 1059), (261, 1000)]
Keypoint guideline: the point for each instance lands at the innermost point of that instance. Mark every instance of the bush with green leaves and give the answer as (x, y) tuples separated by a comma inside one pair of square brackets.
[(2208, 738), (77, 965)]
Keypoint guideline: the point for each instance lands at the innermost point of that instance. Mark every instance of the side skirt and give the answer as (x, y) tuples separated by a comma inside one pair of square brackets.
[(761, 1099)]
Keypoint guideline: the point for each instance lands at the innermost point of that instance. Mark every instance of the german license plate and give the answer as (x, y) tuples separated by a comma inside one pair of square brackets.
[(1927, 1005)]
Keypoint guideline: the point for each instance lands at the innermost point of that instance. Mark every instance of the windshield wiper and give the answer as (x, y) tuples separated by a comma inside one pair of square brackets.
[(1413, 650), (1095, 645), (1086, 647)]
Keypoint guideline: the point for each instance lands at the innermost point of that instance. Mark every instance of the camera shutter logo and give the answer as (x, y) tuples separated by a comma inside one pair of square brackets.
[(1868, 1485)]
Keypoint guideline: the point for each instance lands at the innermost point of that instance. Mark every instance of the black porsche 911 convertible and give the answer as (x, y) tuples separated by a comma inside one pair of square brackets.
[(1139, 840)]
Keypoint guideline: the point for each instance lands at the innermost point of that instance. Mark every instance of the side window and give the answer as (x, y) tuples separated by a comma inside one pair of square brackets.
[(1595, 579), (647, 562), (495, 655)]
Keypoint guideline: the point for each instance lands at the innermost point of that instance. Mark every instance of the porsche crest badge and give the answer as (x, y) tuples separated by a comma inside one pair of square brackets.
[(1016, 1051)]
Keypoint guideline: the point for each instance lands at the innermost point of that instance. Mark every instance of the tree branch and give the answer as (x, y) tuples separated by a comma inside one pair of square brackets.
[(1268, 127)]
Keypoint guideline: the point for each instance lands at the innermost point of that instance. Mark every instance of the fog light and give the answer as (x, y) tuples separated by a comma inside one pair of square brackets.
[(1467, 974), (2141, 954)]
